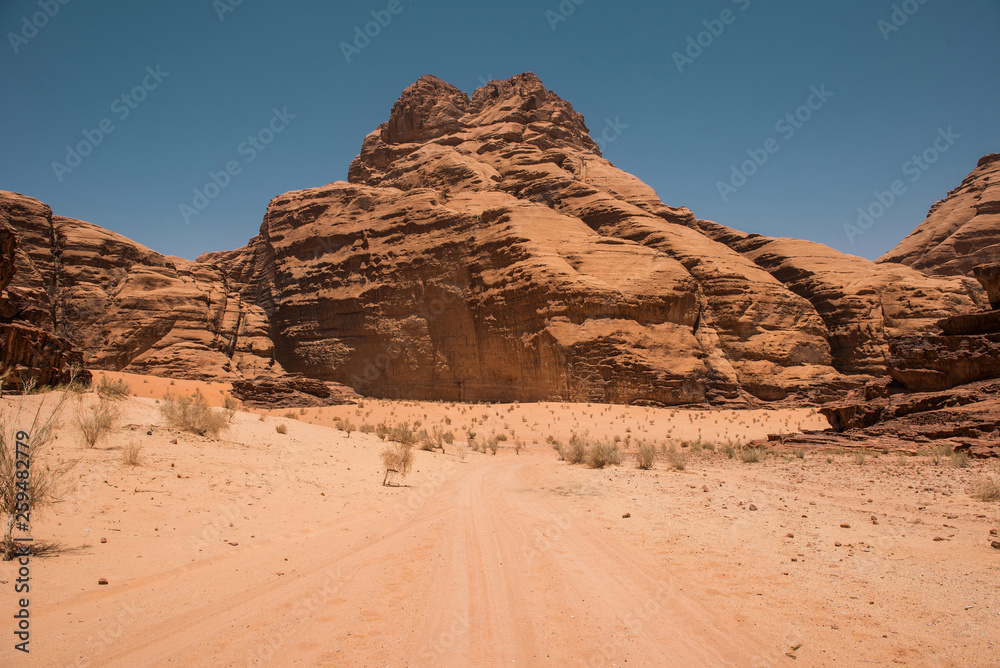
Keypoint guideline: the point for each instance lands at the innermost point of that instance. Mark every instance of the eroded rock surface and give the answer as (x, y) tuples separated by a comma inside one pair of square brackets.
[(961, 231), (127, 308)]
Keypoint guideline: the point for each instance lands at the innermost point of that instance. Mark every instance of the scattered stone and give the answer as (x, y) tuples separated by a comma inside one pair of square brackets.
[(102, 581), (993, 532), (626, 516), (753, 507), (789, 535), (995, 545), (704, 488), (938, 538), (104, 540), (233, 543), (174, 441), (837, 544), (845, 526)]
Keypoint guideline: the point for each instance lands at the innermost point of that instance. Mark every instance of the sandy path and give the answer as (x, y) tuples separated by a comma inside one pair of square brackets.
[(486, 570)]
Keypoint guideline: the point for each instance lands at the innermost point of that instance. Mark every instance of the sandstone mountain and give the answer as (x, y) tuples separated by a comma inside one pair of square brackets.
[(483, 249), (961, 231), (126, 307)]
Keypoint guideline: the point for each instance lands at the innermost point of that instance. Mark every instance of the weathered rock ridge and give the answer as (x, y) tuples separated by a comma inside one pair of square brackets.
[(961, 231), (484, 250), (125, 307)]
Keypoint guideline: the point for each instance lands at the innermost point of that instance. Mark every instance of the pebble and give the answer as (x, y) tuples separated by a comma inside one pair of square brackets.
[(102, 581), (626, 516), (845, 526), (104, 540), (995, 545), (753, 507)]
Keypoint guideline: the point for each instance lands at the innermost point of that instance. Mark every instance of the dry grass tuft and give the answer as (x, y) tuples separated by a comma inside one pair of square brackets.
[(193, 414), (94, 420), (645, 457), (132, 454), (398, 459), (281, 428), (603, 454), (113, 390)]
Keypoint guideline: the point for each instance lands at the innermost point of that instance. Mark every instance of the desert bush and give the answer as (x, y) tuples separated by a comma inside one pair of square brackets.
[(132, 454), (398, 459), (901, 460), (676, 458), (95, 419), (603, 454), (347, 426), (193, 414), (402, 434), (859, 456), (799, 453), (229, 406), (366, 428), (729, 450), (645, 456), (292, 415), (960, 460), (37, 482), (492, 443), (281, 428), (518, 446), (113, 390), (987, 488), (751, 455), (574, 453)]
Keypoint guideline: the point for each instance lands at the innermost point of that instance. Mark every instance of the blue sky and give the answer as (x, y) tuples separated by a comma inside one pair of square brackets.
[(211, 74)]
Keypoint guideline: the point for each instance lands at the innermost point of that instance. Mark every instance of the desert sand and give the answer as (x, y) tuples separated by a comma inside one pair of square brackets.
[(262, 548)]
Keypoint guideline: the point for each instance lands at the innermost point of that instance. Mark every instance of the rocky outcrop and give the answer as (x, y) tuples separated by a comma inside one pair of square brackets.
[(863, 305), (483, 249), (29, 352), (989, 276), (961, 231), (127, 308), (290, 391)]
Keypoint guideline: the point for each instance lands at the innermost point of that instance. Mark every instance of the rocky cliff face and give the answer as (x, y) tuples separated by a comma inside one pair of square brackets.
[(125, 307), (961, 231), (483, 249), (29, 350)]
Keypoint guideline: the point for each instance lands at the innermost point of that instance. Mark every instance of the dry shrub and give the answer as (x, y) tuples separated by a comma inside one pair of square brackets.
[(132, 454), (113, 390), (38, 483), (281, 428), (645, 457), (397, 458), (604, 454), (95, 419), (751, 455), (676, 458), (988, 488), (193, 414)]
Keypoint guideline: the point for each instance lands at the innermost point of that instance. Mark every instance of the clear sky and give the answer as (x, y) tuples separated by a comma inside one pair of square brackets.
[(210, 74)]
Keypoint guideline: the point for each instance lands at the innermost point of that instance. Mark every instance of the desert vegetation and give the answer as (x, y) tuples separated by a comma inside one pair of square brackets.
[(193, 414)]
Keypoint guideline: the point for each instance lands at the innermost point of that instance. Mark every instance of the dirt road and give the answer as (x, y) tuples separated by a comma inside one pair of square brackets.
[(483, 565)]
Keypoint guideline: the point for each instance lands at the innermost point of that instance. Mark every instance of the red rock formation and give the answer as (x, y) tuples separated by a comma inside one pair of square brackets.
[(128, 308), (961, 231), (484, 249), (28, 350)]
